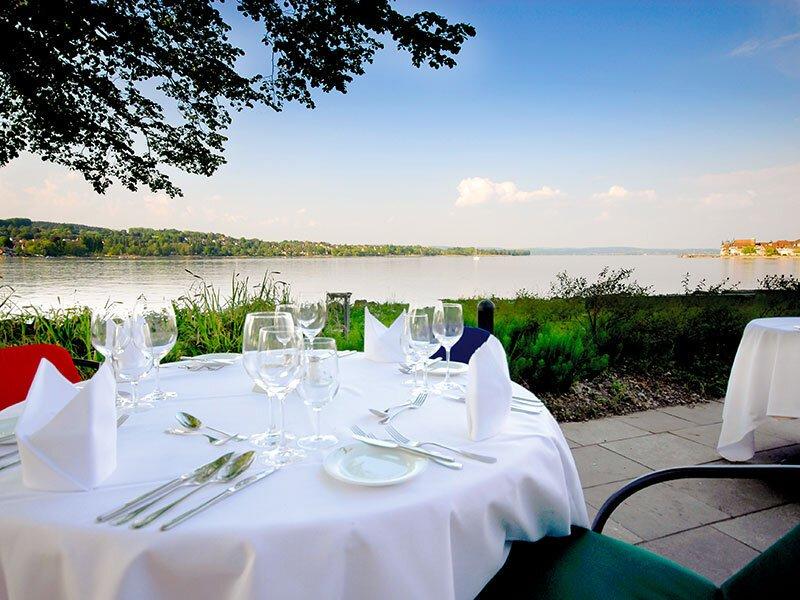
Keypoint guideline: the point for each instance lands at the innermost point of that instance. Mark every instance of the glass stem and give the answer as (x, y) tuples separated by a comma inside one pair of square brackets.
[(447, 370), (416, 375), (270, 418), (282, 440), (158, 377), (134, 398), (317, 416)]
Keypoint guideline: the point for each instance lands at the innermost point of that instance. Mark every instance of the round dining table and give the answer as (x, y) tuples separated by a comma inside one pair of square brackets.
[(764, 384), (298, 533)]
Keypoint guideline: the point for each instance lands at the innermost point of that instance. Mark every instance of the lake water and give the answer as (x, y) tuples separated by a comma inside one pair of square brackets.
[(52, 282)]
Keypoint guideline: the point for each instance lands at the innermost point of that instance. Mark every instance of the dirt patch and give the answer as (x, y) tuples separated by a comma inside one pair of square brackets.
[(618, 394)]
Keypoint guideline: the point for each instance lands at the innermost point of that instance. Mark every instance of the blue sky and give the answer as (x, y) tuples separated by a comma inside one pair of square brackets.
[(666, 124)]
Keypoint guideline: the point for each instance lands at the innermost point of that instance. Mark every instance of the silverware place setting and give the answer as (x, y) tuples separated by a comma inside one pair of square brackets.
[(401, 439), (235, 467), (368, 438), (390, 413), (224, 469)]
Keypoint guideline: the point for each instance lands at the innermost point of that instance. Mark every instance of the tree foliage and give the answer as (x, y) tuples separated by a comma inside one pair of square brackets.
[(119, 90)]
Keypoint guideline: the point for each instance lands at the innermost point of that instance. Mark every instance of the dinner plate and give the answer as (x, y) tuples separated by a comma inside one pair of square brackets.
[(440, 368), (361, 464)]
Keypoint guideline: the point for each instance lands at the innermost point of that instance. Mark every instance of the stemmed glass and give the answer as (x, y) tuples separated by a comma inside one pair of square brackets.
[(280, 353), (318, 387), (448, 327), (290, 308), (409, 353), (311, 314), (422, 340), (159, 316), (106, 325), (252, 327), (132, 359)]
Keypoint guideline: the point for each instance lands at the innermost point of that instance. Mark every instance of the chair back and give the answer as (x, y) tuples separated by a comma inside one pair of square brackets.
[(472, 339), (18, 367)]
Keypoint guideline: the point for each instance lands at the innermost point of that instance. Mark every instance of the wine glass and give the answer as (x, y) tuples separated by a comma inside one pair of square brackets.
[(159, 316), (280, 362), (132, 359), (318, 387), (448, 327), (253, 323), (107, 326), (422, 340), (409, 353), (312, 311), (290, 308)]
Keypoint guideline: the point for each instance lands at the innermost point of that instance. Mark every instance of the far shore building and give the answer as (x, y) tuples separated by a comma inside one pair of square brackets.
[(752, 247)]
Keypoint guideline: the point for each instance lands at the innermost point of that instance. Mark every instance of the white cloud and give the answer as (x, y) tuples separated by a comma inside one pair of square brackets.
[(482, 190), (617, 192), (753, 46)]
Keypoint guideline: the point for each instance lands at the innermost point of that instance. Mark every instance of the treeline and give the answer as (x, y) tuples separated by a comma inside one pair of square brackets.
[(23, 237)]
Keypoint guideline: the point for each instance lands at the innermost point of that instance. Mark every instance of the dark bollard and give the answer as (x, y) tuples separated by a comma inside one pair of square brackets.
[(486, 315)]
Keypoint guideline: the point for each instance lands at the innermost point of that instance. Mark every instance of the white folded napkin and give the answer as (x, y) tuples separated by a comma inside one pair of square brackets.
[(488, 390), (381, 343), (68, 437)]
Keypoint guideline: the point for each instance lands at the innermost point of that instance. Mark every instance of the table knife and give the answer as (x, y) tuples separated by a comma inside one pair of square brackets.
[(442, 459), (237, 487)]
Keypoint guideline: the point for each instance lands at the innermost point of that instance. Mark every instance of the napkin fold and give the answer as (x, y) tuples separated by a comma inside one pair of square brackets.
[(488, 390), (67, 437), (381, 343)]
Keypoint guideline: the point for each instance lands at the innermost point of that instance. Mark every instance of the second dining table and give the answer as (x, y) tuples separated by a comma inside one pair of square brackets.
[(299, 533)]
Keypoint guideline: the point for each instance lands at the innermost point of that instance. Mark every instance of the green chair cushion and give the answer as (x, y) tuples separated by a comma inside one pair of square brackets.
[(590, 565), (770, 574)]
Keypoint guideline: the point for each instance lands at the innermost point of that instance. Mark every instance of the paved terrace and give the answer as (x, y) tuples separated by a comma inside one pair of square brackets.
[(712, 526)]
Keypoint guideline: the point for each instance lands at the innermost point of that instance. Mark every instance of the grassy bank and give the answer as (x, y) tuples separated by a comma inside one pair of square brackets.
[(590, 348)]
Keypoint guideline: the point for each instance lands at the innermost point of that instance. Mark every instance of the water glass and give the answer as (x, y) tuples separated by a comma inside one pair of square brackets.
[(107, 328), (318, 387), (280, 364), (311, 314), (253, 323), (159, 316), (448, 327), (422, 340), (290, 308), (132, 358)]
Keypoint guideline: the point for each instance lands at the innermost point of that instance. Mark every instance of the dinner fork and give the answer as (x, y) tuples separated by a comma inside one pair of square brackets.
[(418, 402), (441, 459), (401, 439)]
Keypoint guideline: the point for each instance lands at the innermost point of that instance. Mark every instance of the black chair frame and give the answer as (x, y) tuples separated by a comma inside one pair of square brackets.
[(760, 472)]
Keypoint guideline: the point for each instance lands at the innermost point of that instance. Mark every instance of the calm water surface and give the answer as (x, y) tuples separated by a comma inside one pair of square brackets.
[(65, 282)]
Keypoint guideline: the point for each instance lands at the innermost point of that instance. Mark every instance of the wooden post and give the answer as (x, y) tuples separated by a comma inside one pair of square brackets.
[(486, 315)]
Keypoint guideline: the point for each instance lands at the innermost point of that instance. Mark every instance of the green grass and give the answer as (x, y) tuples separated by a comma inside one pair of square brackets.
[(607, 326)]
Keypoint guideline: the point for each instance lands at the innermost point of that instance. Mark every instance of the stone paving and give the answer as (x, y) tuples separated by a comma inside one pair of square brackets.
[(712, 526)]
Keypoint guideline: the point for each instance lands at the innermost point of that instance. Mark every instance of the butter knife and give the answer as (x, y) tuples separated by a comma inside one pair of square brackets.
[(236, 487), (442, 459)]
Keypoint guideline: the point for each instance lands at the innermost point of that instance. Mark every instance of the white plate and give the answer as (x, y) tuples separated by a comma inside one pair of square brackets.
[(440, 368), (218, 356), (361, 464)]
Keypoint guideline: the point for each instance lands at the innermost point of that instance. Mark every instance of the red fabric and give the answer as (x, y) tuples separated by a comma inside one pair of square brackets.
[(18, 366)]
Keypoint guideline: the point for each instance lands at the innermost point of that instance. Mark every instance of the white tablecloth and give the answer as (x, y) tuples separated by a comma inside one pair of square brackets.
[(764, 383), (298, 533)]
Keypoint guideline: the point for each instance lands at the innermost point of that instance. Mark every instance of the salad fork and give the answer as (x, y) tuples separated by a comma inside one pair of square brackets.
[(401, 439)]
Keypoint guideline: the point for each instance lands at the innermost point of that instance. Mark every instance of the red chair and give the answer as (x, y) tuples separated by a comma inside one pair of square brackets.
[(18, 366)]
